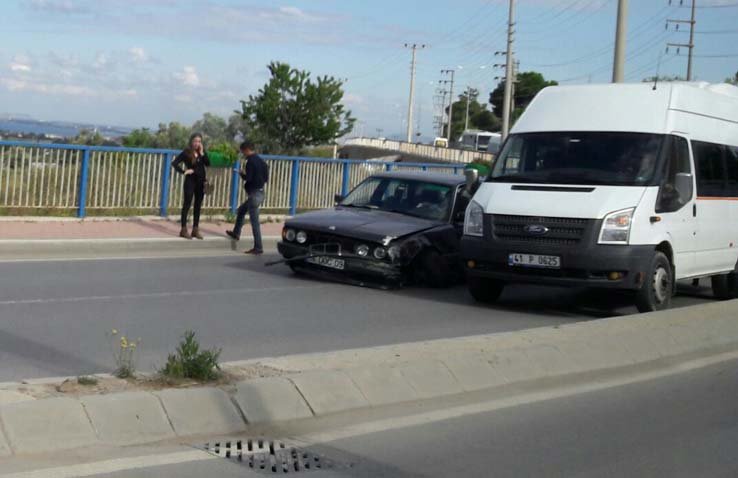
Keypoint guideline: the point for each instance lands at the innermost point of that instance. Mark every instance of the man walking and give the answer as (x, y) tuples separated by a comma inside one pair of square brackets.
[(255, 176)]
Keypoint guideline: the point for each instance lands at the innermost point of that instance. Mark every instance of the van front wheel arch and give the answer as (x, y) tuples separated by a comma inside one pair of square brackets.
[(658, 287)]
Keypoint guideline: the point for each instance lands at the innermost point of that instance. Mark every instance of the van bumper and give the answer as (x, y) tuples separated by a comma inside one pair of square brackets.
[(587, 266)]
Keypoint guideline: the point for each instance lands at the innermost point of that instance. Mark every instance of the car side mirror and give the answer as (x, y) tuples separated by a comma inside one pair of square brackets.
[(472, 177), (338, 198), (683, 187)]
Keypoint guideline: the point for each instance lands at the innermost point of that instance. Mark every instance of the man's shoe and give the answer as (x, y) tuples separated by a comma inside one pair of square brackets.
[(254, 252), (183, 233), (233, 235), (196, 233)]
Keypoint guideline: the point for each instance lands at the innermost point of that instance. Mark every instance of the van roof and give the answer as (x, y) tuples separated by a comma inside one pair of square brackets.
[(633, 107)]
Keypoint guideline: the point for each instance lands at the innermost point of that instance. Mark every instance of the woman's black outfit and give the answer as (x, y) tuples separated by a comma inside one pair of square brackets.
[(194, 184)]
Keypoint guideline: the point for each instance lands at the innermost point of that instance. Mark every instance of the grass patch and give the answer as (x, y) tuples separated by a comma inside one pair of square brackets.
[(87, 380)]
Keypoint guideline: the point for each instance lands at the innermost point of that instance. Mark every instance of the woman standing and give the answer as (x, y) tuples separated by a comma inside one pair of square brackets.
[(195, 160)]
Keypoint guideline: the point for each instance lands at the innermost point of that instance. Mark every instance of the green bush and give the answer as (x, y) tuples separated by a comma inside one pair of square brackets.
[(189, 362), (227, 151)]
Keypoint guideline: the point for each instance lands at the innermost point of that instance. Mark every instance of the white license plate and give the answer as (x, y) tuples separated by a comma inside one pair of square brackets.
[(534, 260), (330, 262)]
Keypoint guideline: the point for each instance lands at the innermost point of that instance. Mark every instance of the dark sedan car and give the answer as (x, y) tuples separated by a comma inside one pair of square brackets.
[(392, 229)]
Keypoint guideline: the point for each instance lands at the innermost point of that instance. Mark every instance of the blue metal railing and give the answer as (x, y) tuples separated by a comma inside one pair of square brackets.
[(49, 176)]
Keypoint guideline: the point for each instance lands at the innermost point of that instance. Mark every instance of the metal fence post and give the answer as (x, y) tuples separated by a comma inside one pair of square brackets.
[(234, 186), (424, 168), (83, 179), (294, 184), (346, 178), (166, 174)]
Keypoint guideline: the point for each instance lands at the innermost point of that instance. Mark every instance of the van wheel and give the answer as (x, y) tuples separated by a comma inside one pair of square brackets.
[(431, 269), (658, 288), (725, 286), (485, 290)]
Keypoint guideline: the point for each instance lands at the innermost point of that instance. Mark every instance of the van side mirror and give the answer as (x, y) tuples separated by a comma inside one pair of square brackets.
[(683, 186), (338, 198), (472, 177)]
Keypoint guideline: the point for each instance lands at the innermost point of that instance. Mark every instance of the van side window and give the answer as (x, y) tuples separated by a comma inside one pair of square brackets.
[(731, 168), (708, 159), (676, 160)]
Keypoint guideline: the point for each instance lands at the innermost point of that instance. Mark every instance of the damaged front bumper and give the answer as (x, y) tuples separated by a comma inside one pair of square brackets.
[(328, 261)]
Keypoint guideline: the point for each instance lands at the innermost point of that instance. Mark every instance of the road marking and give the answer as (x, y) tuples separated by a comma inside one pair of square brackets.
[(119, 464), (155, 295), (193, 255), (378, 426)]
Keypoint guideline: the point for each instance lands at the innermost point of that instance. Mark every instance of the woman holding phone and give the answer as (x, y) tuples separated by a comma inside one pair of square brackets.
[(192, 163)]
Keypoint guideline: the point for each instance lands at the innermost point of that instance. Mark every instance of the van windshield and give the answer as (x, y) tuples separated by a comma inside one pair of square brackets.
[(608, 158)]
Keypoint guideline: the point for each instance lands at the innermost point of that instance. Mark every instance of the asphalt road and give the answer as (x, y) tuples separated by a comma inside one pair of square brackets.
[(683, 425), (54, 315)]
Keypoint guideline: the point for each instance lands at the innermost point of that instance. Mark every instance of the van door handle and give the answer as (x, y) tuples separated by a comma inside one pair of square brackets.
[(694, 210)]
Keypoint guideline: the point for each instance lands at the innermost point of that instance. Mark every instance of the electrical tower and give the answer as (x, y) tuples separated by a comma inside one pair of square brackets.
[(689, 45), (411, 103), (450, 82)]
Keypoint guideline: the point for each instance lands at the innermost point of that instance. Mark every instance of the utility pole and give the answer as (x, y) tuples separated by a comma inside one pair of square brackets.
[(507, 102), (414, 47), (450, 82), (618, 67), (468, 99), (689, 45)]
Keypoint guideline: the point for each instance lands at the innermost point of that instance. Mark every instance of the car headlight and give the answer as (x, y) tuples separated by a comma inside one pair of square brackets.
[(394, 252), (474, 220), (362, 250), (380, 253), (302, 237), (289, 234), (616, 227)]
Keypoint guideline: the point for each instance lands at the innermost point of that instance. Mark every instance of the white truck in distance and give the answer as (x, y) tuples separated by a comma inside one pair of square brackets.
[(626, 186)]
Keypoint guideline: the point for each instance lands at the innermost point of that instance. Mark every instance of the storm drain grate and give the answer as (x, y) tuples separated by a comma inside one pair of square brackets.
[(268, 456)]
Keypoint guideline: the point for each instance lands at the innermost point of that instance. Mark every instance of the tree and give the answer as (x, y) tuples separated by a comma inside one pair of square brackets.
[(663, 79), (236, 127), (293, 111), (89, 138), (528, 85), (213, 128), (172, 136), (479, 117), (734, 80), (139, 138)]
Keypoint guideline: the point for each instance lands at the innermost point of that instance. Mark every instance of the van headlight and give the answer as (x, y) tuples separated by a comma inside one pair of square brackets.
[(616, 227), (474, 220)]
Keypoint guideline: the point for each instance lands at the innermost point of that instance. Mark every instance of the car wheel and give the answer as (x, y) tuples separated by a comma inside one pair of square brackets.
[(485, 290), (432, 270), (725, 286), (656, 292)]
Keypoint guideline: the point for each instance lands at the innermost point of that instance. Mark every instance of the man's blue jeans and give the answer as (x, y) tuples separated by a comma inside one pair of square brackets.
[(251, 206)]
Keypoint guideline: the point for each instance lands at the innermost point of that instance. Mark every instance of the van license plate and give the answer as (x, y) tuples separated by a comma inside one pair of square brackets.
[(534, 260), (330, 262)]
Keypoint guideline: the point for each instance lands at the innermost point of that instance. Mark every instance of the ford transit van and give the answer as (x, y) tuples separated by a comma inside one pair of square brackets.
[(624, 186)]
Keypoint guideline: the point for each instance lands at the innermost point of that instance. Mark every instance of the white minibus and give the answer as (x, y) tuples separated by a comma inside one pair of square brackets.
[(475, 140), (627, 186)]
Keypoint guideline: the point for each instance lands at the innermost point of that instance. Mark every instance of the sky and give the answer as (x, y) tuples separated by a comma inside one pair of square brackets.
[(137, 63)]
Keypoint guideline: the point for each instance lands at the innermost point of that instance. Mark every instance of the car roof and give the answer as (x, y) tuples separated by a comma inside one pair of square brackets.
[(439, 178)]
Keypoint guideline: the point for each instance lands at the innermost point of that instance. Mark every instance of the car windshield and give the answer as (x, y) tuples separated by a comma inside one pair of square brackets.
[(423, 199), (608, 158)]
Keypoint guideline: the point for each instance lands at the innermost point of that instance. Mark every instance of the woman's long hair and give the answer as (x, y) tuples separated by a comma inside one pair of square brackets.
[(190, 151)]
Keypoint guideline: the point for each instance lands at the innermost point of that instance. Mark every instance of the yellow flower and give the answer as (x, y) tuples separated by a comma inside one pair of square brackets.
[(132, 345), (123, 342), (114, 331)]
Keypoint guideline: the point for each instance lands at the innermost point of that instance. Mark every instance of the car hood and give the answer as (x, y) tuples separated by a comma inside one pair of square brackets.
[(364, 224)]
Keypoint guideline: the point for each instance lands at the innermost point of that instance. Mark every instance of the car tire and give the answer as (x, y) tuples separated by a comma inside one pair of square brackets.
[(658, 288), (725, 286), (432, 270), (485, 290)]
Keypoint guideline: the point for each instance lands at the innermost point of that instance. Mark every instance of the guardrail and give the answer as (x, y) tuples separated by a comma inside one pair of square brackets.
[(429, 151), (69, 177)]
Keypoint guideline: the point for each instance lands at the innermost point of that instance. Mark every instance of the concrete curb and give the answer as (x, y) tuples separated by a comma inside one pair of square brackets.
[(70, 248), (322, 384)]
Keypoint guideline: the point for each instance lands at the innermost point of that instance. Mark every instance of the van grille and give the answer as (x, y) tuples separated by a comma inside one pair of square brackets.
[(561, 231)]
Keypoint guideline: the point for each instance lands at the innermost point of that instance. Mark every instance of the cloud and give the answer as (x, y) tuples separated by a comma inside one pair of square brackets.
[(138, 55), (21, 63), (64, 7), (188, 77)]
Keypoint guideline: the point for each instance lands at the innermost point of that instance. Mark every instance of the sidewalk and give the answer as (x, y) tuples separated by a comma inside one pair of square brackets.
[(149, 227)]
